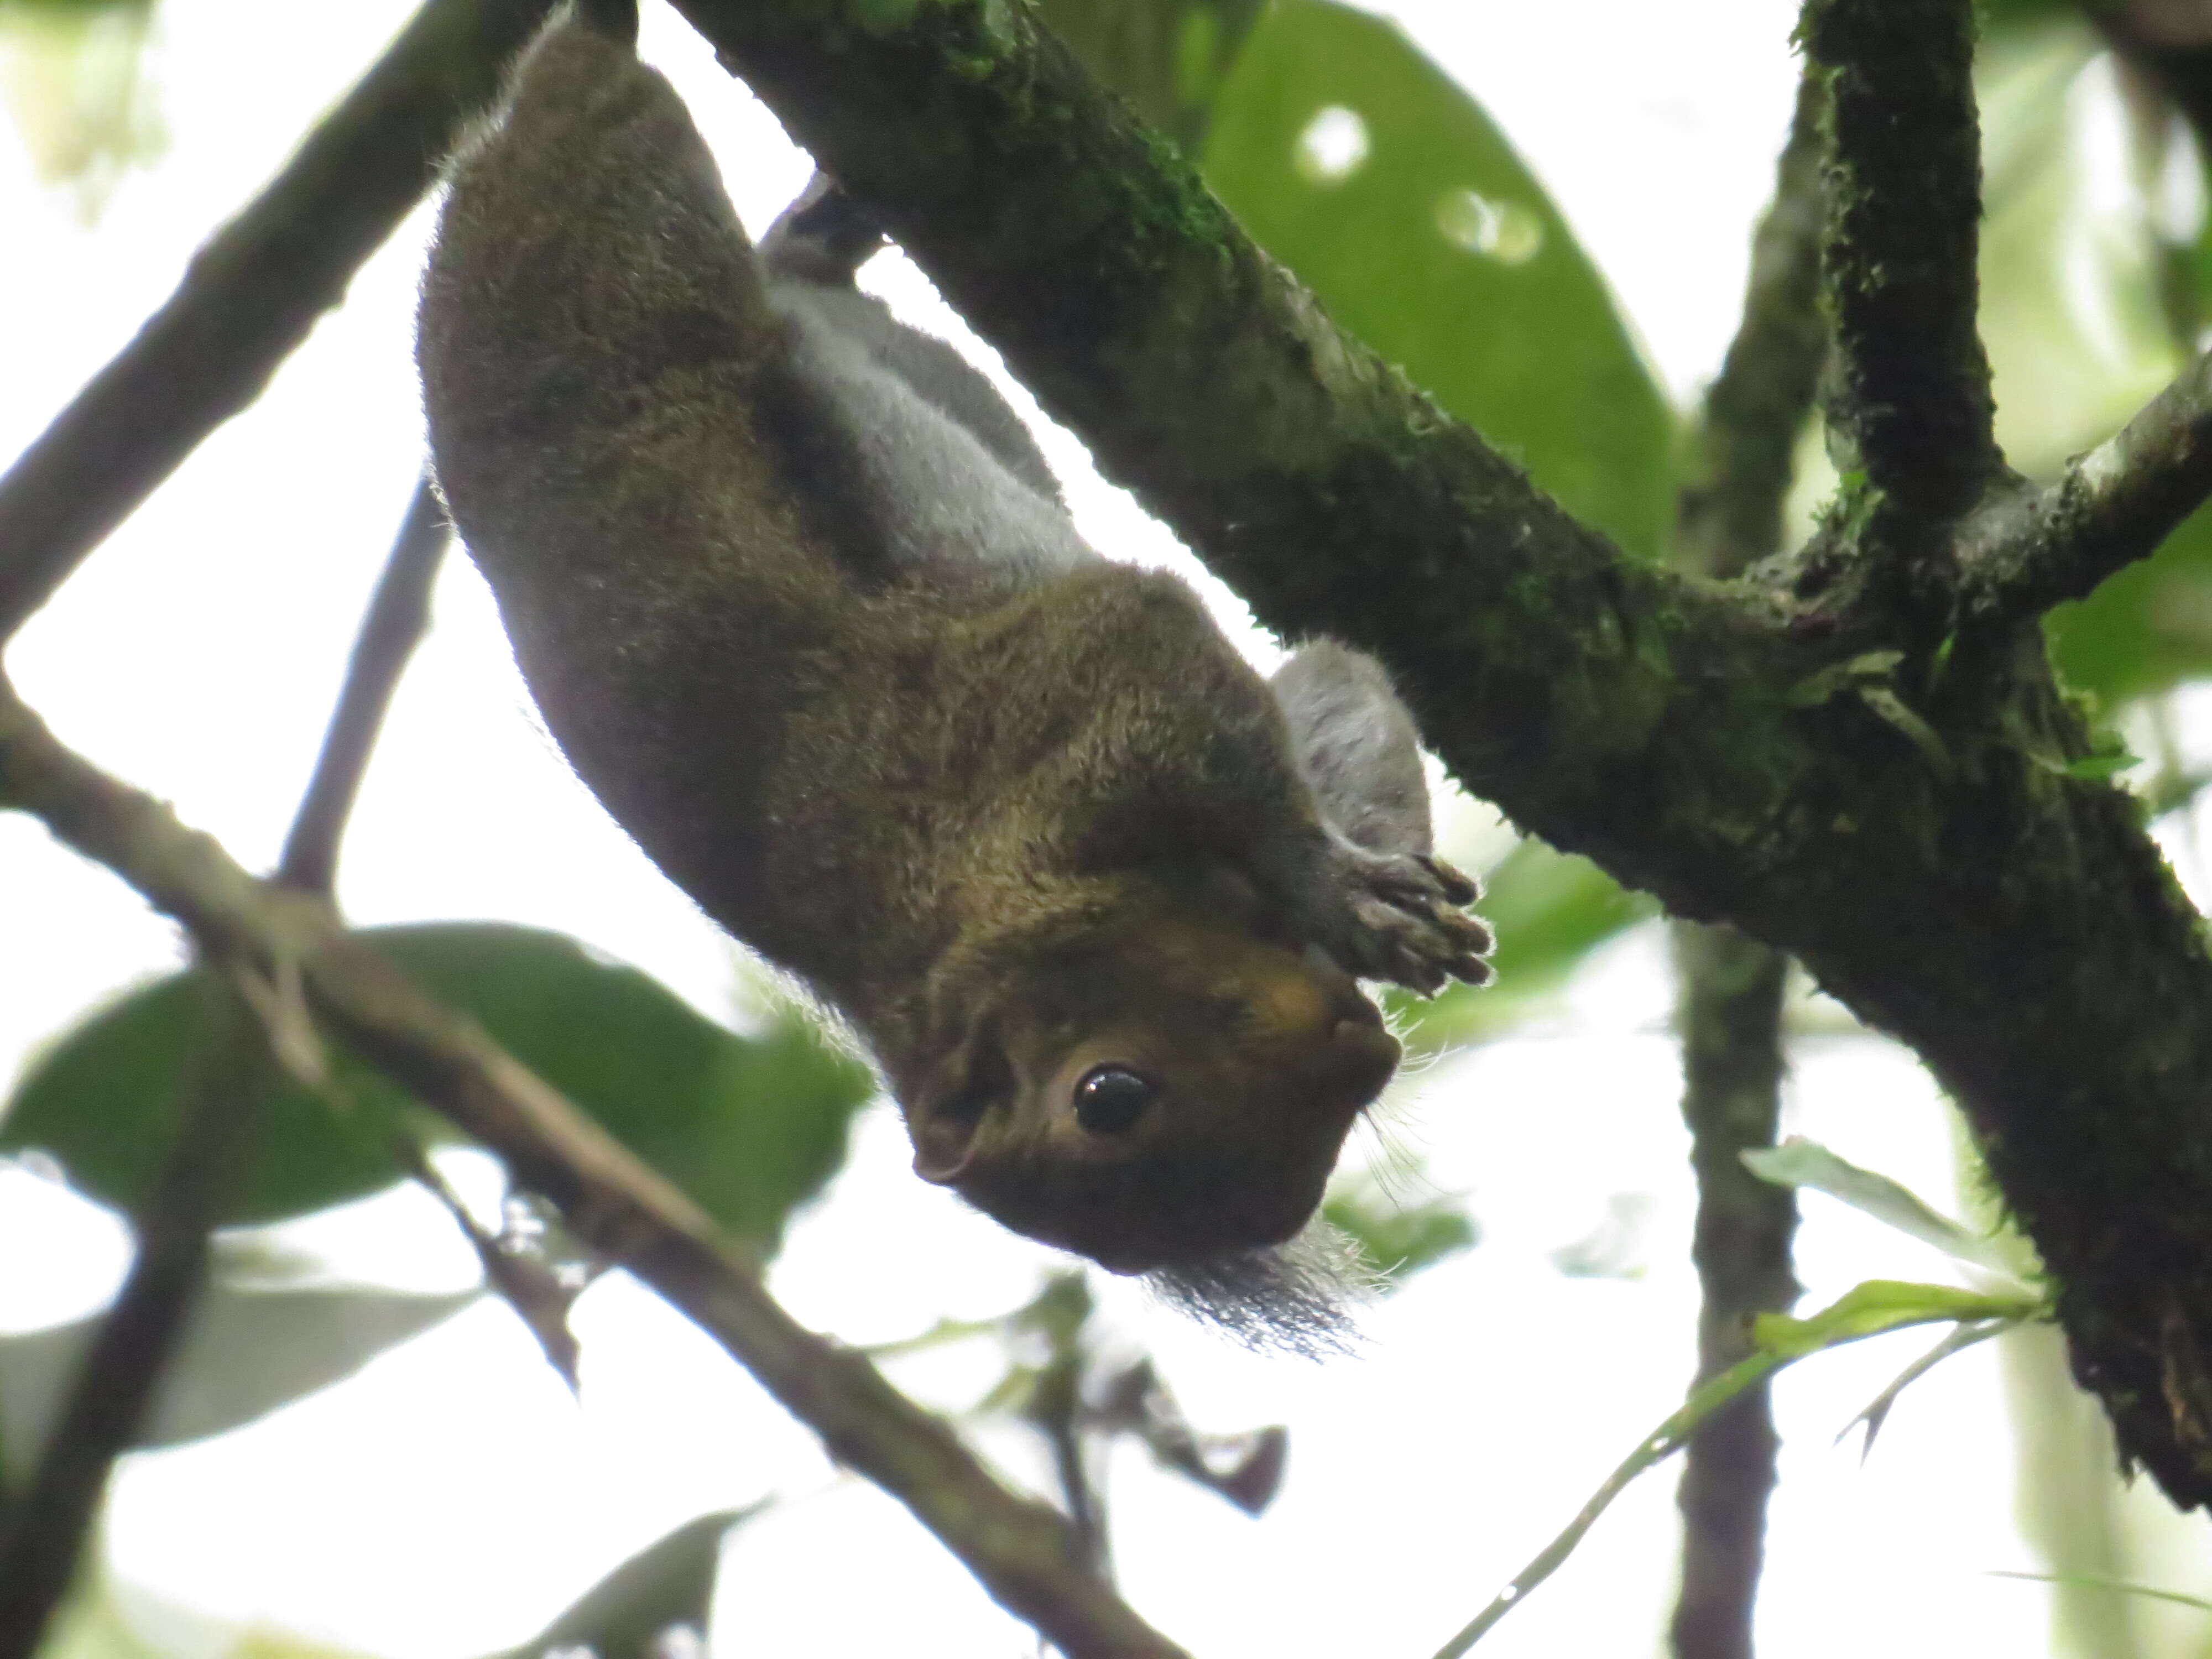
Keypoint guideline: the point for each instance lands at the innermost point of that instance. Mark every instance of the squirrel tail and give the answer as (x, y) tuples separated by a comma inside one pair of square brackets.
[(615, 18)]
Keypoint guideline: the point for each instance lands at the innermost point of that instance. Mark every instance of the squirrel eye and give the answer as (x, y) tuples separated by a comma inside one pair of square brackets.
[(1111, 1098)]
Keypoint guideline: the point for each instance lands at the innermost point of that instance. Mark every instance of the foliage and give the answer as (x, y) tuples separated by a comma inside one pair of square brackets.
[(750, 1126)]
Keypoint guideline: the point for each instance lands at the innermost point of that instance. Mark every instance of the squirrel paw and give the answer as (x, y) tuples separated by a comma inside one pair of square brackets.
[(1406, 924)]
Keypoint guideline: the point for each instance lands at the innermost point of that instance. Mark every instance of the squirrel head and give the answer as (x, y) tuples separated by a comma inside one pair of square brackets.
[(1158, 1084)]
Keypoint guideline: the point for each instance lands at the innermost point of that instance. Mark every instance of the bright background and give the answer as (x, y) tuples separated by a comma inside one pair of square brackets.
[(452, 1495)]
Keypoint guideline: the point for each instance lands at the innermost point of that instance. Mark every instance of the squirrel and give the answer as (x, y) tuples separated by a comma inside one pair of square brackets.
[(797, 595)]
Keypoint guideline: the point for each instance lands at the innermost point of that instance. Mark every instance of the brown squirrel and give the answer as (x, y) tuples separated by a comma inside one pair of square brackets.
[(798, 596)]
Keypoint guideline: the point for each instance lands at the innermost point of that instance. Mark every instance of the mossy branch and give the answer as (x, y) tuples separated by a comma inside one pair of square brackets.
[(1750, 751), (2029, 550), (1910, 402)]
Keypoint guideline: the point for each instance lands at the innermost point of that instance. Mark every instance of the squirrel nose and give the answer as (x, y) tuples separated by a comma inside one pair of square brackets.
[(1368, 1055)]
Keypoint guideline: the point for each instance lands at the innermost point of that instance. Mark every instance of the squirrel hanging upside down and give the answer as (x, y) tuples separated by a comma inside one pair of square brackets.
[(798, 596)]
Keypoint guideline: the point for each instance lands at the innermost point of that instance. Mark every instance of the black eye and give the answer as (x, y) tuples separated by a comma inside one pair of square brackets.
[(1111, 1098)]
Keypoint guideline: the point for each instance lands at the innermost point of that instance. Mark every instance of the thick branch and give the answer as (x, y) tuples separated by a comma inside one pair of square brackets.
[(398, 612), (2024, 553), (1911, 395), (1026, 1554), (120, 1372), (251, 294), (1920, 847)]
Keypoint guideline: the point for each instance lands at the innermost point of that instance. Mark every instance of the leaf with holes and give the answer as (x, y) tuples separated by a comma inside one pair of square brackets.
[(1373, 175)]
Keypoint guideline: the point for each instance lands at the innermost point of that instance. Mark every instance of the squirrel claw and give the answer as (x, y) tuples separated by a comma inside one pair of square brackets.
[(1406, 925)]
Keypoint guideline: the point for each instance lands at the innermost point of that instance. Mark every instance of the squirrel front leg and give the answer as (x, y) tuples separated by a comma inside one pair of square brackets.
[(1311, 788), (1358, 750)]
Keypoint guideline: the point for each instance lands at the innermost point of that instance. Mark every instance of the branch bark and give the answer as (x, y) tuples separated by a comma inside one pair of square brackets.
[(1911, 401), (251, 294), (116, 1380), (1914, 838), (398, 613), (2026, 551), (1729, 1005), (1730, 1018), (1025, 1553)]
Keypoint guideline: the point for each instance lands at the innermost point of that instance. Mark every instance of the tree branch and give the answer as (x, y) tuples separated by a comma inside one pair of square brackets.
[(1025, 1554), (116, 1379), (1730, 511), (251, 294), (1748, 752), (1730, 998), (2024, 552), (1729, 1014), (1911, 399), (398, 613)]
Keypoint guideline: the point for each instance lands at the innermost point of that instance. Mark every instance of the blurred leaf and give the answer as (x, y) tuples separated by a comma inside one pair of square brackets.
[(670, 1581), (1397, 1241), (2079, 337), (1551, 909), (748, 1127), (72, 74), (2145, 629), (1886, 1304), (1798, 1162), (1377, 179), (251, 1347)]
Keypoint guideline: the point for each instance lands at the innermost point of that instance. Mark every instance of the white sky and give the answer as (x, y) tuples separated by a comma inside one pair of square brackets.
[(451, 1498)]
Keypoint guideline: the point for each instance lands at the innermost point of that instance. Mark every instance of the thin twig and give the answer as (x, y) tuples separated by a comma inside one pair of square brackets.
[(120, 1371), (1911, 399), (251, 294), (398, 613), (1023, 1552), (1743, 448), (1730, 1018), (528, 1284), (1730, 998), (2031, 550)]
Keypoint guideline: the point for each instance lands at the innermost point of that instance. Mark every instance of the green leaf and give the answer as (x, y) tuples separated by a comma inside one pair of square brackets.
[(670, 1581), (1551, 909), (1375, 177), (1886, 1304), (1798, 1162), (2145, 629), (748, 1127)]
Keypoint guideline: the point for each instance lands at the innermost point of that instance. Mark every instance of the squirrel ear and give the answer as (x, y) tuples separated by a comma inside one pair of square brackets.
[(949, 1107), (943, 1143)]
